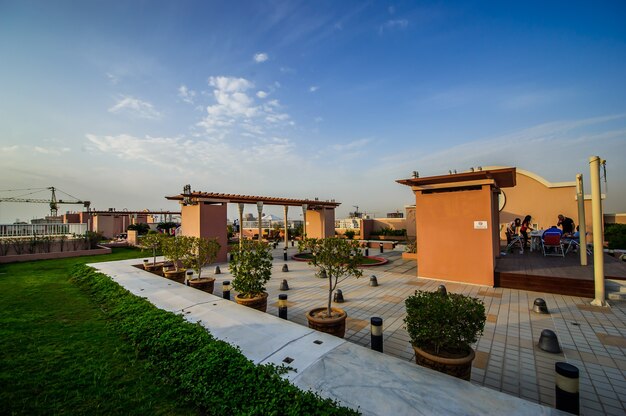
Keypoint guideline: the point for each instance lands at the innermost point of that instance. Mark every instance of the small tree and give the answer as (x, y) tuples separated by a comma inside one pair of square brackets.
[(338, 257), (201, 252), (251, 268), (175, 249), (152, 241), (349, 234)]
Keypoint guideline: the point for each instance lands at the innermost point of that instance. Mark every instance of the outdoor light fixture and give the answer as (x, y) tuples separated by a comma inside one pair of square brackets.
[(304, 209), (145, 261), (540, 306), (259, 207), (442, 289), (240, 205), (373, 281), (376, 328), (282, 306), (226, 289), (284, 285), (549, 342), (218, 270), (189, 274)]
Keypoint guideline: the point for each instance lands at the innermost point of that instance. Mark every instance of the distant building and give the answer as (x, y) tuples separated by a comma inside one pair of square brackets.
[(396, 214)]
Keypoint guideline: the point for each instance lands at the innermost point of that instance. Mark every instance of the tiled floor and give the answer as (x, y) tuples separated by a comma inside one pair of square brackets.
[(593, 339)]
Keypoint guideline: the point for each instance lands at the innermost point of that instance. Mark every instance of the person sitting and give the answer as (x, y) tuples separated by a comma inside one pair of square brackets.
[(511, 229), (525, 228), (566, 224)]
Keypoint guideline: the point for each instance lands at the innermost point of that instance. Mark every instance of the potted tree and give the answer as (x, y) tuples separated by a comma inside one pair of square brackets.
[(174, 250), (442, 328), (339, 259), (251, 267), (152, 241), (201, 251)]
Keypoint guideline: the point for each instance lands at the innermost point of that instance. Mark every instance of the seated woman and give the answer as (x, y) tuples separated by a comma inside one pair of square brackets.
[(525, 228), (511, 229)]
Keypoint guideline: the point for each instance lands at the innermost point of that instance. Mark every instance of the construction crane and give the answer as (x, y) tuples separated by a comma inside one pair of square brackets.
[(53, 202)]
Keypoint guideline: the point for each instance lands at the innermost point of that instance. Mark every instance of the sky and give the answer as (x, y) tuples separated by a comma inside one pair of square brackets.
[(124, 102)]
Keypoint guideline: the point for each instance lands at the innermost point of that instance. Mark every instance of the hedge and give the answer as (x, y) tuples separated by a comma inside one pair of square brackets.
[(209, 373)]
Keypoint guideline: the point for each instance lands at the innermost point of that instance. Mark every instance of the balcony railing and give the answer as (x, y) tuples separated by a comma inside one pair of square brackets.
[(27, 230)]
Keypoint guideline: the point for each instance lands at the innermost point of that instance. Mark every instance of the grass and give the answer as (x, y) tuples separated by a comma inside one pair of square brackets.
[(58, 355)]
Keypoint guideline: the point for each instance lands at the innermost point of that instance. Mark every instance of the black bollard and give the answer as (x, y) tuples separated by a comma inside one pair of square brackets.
[(285, 268), (293, 241), (442, 289), (540, 306), (218, 270), (367, 251), (285, 254), (548, 342), (282, 306), (373, 281), (232, 257), (189, 274), (226, 289), (381, 247), (377, 333), (567, 396), (284, 285), (338, 296)]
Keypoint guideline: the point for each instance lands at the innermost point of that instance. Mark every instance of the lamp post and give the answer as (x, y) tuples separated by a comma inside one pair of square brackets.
[(304, 209), (286, 208), (240, 224), (259, 207)]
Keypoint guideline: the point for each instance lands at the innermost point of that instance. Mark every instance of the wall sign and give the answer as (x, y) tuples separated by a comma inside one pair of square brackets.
[(480, 225)]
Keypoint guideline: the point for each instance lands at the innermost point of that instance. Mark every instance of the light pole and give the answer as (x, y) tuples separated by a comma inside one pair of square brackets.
[(304, 208), (240, 224), (286, 208), (259, 207)]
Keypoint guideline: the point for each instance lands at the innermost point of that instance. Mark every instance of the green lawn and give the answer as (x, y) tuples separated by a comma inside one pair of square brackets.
[(59, 356)]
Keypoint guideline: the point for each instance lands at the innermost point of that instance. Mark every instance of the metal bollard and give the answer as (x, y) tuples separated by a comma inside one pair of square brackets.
[(284, 285), (285, 254), (282, 306), (338, 296), (232, 257), (226, 289), (540, 306), (381, 247), (189, 274), (293, 241), (567, 396), (442, 289), (367, 251), (218, 270), (373, 281), (377, 333)]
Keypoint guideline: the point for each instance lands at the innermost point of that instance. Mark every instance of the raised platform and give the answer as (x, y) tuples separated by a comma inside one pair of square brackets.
[(551, 274)]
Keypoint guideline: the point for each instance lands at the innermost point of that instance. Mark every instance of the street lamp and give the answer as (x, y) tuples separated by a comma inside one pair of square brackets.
[(259, 207), (240, 224), (304, 209)]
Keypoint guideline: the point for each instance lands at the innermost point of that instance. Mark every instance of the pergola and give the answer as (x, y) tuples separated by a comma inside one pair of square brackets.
[(203, 214)]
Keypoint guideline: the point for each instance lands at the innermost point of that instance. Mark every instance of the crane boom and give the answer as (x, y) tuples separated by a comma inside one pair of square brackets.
[(53, 201)]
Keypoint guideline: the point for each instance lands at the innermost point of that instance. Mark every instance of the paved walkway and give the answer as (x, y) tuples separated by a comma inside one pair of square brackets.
[(593, 339)]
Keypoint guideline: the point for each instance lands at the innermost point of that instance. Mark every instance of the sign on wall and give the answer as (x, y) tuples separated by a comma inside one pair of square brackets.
[(480, 225)]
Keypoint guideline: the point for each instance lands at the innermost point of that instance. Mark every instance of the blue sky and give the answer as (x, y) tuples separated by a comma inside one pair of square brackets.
[(124, 102)]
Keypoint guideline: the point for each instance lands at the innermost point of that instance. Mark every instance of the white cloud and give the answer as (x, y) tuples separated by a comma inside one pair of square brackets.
[(355, 144), (260, 57), (112, 78), (313, 88), (135, 107), (51, 150), (397, 24), (186, 94), (235, 109)]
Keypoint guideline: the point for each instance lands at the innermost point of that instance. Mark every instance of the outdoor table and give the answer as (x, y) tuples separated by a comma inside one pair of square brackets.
[(535, 240)]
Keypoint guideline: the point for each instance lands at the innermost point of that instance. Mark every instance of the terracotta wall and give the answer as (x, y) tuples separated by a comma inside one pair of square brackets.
[(410, 222), (320, 224), (449, 247), (544, 201), (207, 221)]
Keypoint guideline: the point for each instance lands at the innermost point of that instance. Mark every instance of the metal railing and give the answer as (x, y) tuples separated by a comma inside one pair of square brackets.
[(350, 223), (27, 230)]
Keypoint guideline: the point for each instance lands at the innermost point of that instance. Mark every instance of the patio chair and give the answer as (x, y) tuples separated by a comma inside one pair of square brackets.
[(573, 244), (515, 240), (551, 240)]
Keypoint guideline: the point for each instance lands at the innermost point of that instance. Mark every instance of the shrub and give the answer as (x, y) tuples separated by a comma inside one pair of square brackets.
[(439, 323), (615, 234), (349, 234), (141, 228), (209, 373), (251, 267)]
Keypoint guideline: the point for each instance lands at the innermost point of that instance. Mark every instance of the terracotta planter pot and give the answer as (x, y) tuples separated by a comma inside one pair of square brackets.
[(335, 326), (456, 367), (259, 303), (178, 276), (204, 284), (156, 268)]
